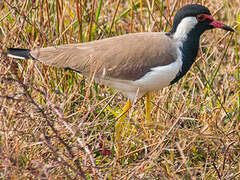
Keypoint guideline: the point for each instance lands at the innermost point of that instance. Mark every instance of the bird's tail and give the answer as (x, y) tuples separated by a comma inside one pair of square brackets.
[(19, 53)]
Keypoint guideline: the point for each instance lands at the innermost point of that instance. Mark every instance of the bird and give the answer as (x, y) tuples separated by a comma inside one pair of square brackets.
[(137, 63)]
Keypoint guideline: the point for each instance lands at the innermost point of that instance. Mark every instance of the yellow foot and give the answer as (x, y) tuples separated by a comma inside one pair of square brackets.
[(115, 113), (121, 127)]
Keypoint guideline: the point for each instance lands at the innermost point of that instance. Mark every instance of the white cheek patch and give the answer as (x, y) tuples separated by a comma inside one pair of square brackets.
[(184, 27)]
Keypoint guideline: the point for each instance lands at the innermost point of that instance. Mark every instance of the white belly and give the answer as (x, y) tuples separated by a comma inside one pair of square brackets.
[(159, 77)]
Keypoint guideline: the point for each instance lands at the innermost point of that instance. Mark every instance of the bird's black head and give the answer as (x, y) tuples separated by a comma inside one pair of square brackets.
[(197, 18), (189, 23)]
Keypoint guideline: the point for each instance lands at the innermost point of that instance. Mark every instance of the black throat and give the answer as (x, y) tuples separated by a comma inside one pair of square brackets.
[(189, 52)]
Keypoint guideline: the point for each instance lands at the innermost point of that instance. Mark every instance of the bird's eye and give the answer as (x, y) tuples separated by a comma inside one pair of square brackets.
[(200, 18)]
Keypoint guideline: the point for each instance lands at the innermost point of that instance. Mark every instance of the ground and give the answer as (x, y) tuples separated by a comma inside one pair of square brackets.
[(54, 123)]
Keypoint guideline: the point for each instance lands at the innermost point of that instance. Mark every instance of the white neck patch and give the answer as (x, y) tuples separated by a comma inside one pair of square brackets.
[(184, 27)]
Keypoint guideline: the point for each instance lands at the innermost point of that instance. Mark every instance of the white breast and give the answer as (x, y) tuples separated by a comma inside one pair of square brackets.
[(160, 76)]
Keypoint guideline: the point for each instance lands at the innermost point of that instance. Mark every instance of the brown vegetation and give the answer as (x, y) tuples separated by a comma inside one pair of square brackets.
[(54, 123)]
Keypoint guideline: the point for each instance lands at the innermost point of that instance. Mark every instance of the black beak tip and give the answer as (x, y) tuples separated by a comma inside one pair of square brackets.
[(227, 28)]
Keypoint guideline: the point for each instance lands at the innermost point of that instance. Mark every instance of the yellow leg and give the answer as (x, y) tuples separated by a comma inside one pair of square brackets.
[(120, 127), (148, 109)]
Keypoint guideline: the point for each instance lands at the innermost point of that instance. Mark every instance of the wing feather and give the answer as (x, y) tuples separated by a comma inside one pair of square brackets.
[(126, 57)]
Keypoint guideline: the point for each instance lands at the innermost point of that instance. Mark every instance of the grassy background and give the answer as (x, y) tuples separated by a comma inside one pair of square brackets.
[(53, 123)]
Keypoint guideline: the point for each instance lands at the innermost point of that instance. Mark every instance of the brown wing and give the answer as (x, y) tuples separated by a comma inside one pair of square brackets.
[(126, 57)]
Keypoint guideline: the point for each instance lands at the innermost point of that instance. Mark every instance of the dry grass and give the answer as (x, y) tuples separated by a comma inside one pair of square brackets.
[(53, 123)]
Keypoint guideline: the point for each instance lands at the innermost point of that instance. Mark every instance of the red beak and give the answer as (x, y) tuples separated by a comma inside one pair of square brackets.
[(218, 24)]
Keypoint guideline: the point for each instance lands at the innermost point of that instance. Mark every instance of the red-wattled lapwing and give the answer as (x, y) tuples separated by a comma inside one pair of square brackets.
[(134, 64)]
